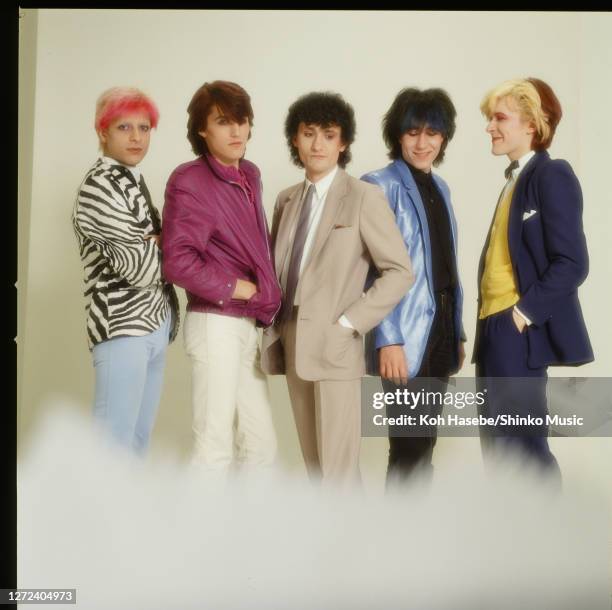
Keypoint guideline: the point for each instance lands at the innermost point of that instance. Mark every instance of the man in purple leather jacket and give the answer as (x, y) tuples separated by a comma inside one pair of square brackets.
[(216, 246)]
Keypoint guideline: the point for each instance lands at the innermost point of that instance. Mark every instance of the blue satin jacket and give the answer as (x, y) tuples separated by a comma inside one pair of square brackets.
[(409, 323)]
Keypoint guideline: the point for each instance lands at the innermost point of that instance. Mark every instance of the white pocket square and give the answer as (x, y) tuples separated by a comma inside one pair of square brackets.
[(529, 214)]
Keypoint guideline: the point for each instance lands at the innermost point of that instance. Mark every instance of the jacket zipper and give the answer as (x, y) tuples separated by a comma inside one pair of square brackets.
[(264, 225)]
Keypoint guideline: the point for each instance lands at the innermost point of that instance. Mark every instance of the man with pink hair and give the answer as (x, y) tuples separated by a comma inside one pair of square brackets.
[(132, 312)]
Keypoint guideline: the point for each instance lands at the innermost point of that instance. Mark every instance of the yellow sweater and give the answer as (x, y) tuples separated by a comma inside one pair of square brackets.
[(497, 286)]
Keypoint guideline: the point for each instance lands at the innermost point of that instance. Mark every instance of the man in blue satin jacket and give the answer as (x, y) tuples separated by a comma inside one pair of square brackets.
[(420, 343)]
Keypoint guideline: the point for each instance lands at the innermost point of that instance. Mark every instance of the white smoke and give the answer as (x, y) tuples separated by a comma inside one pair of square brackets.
[(156, 534)]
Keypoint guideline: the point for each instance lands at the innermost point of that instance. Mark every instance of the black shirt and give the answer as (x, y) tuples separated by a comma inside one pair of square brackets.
[(444, 268)]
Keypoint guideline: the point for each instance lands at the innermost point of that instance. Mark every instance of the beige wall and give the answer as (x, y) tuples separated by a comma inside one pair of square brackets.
[(27, 90), (72, 55)]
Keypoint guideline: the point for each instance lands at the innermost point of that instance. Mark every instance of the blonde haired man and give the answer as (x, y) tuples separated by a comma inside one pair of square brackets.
[(533, 261)]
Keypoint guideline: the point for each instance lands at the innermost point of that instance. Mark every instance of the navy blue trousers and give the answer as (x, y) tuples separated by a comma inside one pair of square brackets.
[(514, 391)]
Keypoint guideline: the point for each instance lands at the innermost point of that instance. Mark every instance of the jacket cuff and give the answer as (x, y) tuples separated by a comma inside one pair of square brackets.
[(344, 321), (520, 313), (524, 307), (387, 336)]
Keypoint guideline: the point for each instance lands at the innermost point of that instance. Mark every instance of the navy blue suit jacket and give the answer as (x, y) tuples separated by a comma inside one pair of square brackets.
[(549, 260)]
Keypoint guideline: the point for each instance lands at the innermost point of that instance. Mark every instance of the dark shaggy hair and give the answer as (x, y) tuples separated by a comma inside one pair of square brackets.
[(231, 100), (324, 109), (413, 109)]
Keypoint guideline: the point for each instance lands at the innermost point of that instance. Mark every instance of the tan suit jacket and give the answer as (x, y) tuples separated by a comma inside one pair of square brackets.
[(357, 229)]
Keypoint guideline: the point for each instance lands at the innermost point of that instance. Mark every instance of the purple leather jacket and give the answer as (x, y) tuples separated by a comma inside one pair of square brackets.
[(214, 235)]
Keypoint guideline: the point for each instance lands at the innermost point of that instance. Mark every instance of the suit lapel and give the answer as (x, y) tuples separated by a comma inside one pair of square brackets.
[(515, 214), (517, 206), (291, 208), (417, 202), (137, 201), (331, 210)]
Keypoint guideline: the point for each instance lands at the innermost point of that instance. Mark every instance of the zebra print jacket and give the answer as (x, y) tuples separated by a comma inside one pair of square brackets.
[(124, 288)]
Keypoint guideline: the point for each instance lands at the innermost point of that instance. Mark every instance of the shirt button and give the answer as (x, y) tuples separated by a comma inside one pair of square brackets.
[(220, 302), (229, 285)]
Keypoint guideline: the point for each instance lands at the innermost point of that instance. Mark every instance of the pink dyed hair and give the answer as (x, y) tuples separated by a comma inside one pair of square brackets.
[(119, 101)]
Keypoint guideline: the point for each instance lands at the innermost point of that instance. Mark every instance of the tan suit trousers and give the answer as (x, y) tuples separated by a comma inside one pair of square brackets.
[(328, 420)]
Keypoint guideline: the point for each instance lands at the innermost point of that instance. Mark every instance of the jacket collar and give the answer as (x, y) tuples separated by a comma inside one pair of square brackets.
[(230, 173), (533, 164), (405, 174), (134, 171), (409, 182), (333, 204), (116, 169), (281, 239), (519, 200), (414, 195)]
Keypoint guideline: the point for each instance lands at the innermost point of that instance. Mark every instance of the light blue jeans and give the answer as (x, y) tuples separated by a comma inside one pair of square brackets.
[(129, 376)]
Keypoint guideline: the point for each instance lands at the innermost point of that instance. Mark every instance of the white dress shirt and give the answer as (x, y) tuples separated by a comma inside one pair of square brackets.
[(513, 178), (316, 211)]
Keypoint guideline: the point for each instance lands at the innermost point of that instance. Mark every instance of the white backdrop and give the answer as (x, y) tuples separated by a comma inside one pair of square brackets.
[(68, 57)]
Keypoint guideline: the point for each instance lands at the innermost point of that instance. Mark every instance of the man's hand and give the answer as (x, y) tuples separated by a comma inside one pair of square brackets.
[(519, 321), (461, 354), (156, 237), (392, 364), (244, 290)]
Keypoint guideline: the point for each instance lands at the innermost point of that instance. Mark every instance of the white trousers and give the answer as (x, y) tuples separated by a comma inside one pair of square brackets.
[(231, 403)]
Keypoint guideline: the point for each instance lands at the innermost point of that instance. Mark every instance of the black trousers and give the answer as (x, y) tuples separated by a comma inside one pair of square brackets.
[(409, 455)]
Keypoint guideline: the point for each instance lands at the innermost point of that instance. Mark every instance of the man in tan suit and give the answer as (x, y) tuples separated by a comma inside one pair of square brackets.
[(327, 232)]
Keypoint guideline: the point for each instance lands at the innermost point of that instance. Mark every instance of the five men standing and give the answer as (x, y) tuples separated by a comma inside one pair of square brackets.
[(373, 258)]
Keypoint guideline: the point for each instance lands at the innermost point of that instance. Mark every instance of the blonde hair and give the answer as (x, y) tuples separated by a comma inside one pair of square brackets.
[(528, 102)]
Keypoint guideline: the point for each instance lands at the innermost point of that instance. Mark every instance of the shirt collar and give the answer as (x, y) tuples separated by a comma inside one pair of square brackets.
[(134, 169), (420, 177), (521, 163), (322, 186)]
